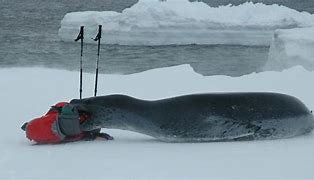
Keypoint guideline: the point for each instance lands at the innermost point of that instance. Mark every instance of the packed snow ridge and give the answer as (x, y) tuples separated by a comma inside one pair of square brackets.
[(152, 22)]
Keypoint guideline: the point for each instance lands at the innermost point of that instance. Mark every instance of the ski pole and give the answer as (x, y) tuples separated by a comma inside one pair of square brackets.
[(81, 37), (97, 38)]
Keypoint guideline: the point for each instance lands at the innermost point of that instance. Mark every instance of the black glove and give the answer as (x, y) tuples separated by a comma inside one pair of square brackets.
[(105, 136), (90, 136)]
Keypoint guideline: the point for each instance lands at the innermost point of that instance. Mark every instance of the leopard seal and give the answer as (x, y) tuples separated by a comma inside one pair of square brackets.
[(201, 117)]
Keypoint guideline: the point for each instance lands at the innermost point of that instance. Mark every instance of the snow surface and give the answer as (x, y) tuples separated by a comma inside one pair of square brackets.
[(291, 47), (153, 22), (28, 92)]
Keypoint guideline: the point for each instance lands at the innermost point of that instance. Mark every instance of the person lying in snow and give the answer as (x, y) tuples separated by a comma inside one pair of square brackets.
[(188, 118), (61, 124)]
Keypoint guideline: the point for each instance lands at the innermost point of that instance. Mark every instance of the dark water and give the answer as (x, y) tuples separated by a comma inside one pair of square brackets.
[(28, 37)]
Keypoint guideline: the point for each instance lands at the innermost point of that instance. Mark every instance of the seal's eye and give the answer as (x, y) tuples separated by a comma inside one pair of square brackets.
[(24, 126)]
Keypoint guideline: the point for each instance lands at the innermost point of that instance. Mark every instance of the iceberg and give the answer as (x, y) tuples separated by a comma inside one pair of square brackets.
[(153, 22), (291, 47)]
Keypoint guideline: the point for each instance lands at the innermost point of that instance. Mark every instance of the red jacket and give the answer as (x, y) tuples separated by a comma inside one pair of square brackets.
[(46, 128)]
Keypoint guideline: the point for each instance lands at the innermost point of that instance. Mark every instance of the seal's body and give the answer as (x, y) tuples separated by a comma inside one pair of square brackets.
[(201, 117)]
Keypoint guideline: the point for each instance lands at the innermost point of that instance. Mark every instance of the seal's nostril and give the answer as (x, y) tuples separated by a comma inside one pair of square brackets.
[(24, 126)]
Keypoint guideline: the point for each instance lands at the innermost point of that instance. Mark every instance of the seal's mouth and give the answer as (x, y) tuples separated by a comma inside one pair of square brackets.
[(23, 127)]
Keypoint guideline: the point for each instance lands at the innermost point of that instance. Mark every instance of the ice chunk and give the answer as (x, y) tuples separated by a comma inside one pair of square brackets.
[(291, 47), (151, 22)]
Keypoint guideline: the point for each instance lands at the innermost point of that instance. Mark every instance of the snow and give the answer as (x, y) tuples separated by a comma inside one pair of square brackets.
[(28, 92), (291, 47), (152, 22)]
